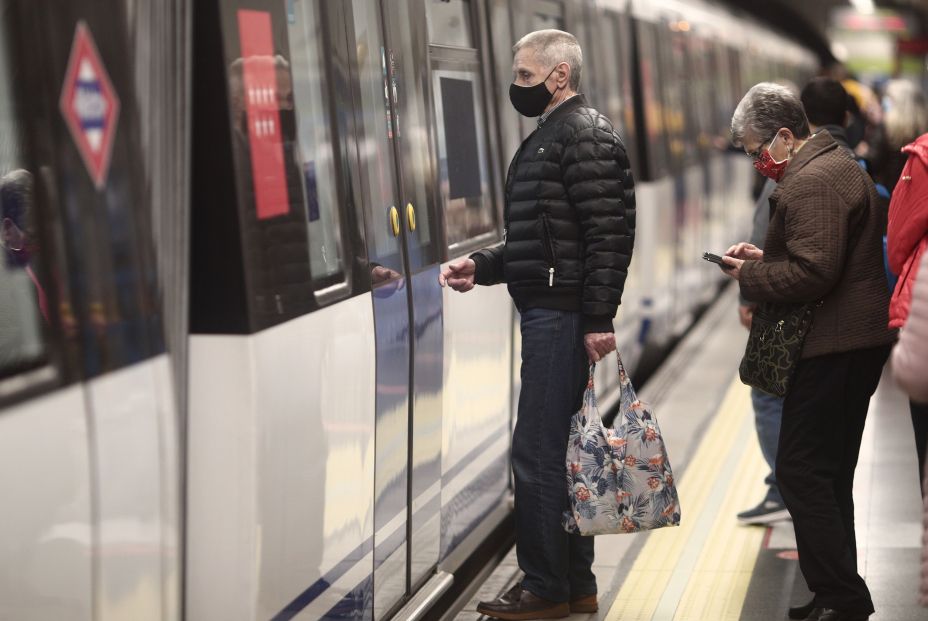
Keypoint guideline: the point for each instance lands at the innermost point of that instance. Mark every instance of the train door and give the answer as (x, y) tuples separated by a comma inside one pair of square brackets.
[(404, 249), (427, 188)]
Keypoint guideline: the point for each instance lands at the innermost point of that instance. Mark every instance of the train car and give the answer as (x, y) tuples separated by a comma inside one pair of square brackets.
[(90, 449), (232, 386)]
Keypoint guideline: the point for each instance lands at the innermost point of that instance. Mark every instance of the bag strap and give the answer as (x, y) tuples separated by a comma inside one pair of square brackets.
[(623, 374)]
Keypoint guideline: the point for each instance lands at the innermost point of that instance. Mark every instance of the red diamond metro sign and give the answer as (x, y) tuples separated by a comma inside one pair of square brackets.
[(90, 105)]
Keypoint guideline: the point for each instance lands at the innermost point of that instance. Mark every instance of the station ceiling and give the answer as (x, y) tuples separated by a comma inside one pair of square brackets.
[(808, 21)]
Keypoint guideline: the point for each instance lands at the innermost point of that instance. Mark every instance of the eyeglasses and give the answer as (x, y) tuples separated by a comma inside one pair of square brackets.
[(754, 155)]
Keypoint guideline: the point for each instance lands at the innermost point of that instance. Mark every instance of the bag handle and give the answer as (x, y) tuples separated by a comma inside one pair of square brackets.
[(623, 374)]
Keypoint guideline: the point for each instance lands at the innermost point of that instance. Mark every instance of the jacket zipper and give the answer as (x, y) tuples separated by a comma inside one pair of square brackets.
[(549, 246)]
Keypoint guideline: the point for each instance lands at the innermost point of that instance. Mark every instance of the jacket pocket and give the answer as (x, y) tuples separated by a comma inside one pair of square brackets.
[(548, 244)]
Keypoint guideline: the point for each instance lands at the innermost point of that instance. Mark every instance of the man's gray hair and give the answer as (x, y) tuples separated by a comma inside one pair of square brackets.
[(553, 47), (764, 110)]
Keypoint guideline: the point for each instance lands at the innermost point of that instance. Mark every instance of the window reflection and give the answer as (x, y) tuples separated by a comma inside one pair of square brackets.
[(23, 297), (462, 154), (449, 22), (315, 141), (375, 146)]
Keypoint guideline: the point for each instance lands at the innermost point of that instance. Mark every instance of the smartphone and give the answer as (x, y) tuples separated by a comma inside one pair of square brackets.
[(714, 258)]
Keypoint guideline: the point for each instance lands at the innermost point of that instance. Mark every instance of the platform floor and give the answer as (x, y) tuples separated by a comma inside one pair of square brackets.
[(713, 568)]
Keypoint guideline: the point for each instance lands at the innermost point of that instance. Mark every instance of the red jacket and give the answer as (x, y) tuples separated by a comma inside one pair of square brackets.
[(907, 229)]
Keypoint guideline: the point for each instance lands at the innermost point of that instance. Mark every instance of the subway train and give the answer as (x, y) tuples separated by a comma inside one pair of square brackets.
[(231, 385)]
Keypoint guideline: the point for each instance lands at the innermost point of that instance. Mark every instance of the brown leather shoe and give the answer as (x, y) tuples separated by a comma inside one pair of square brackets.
[(519, 605), (584, 603)]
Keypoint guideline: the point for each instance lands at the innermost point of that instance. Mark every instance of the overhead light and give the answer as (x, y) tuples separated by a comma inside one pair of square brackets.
[(864, 6)]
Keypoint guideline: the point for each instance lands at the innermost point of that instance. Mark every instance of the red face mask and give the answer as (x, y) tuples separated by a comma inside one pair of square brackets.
[(768, 167)]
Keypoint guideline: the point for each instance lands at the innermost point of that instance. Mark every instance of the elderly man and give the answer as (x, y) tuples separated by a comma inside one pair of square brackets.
[(570, 222)]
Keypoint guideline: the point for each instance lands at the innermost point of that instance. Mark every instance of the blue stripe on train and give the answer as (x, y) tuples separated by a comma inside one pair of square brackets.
[(359, 601)]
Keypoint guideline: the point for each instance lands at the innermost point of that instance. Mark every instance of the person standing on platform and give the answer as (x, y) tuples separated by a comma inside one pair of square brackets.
[(823, 248), (825, 103), (568, 237), (907, 242)]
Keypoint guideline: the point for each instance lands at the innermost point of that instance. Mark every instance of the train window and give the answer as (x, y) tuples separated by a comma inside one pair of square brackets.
[(449, 22), (546, 14), (462, 154), (612, 100), (317, 166), (23, 297), (501, 37), (655, 114), (375, 148)]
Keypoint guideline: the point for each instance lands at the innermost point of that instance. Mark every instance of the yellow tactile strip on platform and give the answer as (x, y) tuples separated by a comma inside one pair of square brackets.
[(702, 569)]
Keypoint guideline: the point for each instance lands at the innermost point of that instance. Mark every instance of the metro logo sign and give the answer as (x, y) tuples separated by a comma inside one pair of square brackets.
[(90, 105)]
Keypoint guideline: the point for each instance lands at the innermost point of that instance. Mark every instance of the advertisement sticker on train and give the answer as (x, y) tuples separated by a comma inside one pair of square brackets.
[(90, 105), (262, 106)]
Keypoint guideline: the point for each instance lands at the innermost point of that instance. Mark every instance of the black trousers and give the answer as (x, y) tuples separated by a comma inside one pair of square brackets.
[(823, 422)]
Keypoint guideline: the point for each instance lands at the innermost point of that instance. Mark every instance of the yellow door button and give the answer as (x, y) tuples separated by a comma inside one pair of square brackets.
[(395, 221), (411, 216)]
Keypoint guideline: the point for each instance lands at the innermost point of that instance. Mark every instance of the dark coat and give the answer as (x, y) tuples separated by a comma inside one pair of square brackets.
[(824, 244), (570, 218)]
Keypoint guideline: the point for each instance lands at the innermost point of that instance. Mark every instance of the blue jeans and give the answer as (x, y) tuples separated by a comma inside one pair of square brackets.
[(557, 565), (768, 411)]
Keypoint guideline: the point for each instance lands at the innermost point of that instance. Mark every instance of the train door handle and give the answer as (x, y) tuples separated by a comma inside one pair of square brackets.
[(411, 217), (395, 221)]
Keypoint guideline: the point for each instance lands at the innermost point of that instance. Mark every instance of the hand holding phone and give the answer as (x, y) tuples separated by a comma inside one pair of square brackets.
[(714, 258)]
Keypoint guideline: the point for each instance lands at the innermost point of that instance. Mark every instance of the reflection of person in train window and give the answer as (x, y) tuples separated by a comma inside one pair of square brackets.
[(16, 231)]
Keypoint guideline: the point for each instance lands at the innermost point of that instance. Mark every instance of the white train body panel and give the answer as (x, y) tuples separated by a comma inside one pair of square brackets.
[(46, 523), (281, 468), (133, 434)]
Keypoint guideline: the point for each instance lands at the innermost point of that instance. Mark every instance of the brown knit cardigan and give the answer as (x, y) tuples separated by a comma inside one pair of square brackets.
[(825, 244)]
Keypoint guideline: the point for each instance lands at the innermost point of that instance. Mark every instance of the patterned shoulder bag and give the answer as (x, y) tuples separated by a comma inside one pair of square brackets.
[(775, 346)]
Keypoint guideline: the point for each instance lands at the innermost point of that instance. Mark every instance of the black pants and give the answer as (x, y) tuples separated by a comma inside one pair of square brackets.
[(823, 422), (919, 413)]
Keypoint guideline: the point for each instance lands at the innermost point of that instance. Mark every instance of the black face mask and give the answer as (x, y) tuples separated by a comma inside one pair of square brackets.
[(531, 100)]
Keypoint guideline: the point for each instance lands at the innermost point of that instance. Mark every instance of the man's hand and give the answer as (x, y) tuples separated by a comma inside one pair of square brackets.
[(746, 314), (459, 275), (598, 344), (745, 251)]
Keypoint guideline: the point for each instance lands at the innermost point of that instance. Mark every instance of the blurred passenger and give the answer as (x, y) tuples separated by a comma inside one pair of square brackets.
[(570, 224), (905, 118), (907, 240), (768, 409), (910, 368), (823, 247), (825, 103), (910, 356)]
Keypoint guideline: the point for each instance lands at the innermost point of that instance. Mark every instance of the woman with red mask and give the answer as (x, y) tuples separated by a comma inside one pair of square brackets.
[(823, 251)]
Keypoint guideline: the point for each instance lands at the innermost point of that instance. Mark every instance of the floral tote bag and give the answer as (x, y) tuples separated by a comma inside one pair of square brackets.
[(618, 478)]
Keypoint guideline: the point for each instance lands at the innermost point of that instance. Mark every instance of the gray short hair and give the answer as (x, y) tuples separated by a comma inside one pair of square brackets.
[(553, 47), (764, 110)]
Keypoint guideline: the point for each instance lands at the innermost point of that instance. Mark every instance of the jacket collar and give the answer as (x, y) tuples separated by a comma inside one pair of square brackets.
[(837, 132), (818, 144), (919, 148), (565, 108)]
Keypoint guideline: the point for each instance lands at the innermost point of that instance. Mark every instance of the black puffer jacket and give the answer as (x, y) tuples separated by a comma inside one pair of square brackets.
[(570, 219)]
